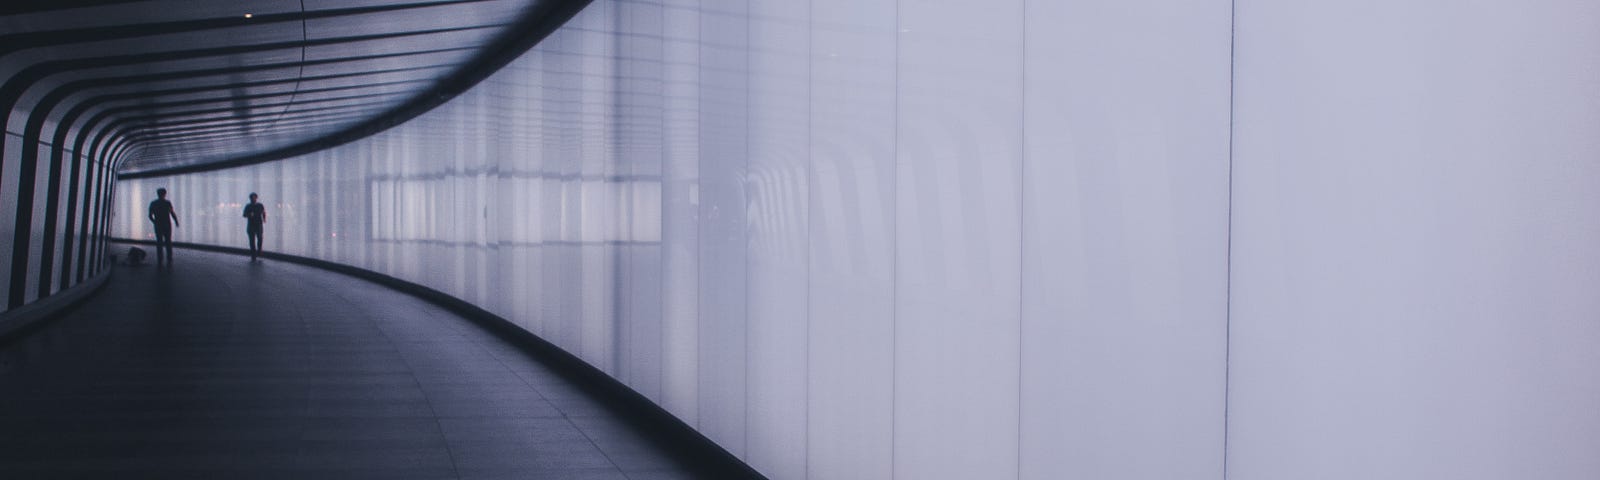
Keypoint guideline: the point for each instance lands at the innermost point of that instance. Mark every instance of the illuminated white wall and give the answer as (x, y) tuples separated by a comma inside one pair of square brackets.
[(923, 240), (1416, 240)]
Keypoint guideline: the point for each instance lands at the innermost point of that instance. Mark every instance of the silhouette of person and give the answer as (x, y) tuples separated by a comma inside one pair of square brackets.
[(164, 218), (255, 214)]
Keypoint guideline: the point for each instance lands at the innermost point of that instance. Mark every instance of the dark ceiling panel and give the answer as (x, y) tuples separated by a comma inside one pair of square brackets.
[(15, 7), (184, 85), (142, 13)]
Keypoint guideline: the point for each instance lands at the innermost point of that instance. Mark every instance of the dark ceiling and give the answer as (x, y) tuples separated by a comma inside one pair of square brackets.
[(171, 86)]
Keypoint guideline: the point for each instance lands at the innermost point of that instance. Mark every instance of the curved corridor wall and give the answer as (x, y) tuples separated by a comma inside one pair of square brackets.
[(1027, 239), (801, 226)]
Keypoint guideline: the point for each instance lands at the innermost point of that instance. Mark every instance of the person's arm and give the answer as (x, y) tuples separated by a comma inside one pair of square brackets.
[(174, 213), (263, 214)]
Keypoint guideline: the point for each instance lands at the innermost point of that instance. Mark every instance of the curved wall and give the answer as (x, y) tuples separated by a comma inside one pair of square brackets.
[(922, 240), (53, 241)]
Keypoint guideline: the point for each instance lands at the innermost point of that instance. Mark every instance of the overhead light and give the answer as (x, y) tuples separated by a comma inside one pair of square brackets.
[(248, 15)]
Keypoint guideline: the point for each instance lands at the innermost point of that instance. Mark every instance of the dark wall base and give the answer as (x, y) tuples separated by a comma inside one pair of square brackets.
[(664, 429), (18, 322)]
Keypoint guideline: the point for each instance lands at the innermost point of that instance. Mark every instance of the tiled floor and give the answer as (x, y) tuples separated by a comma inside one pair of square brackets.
[(223, 368)]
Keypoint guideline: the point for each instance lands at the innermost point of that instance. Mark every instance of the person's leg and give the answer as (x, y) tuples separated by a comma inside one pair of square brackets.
[(166, 243), (163, 240)]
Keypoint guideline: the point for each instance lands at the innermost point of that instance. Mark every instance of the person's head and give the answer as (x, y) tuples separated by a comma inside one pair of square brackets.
[(252, 197), (161, 193)]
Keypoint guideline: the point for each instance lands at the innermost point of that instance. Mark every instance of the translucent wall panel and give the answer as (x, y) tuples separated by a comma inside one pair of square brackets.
[(680, 210), (958, 240), (1415, 241), (640, 154), (850, 396), (778, 197), (1124, 240), (723, 136)]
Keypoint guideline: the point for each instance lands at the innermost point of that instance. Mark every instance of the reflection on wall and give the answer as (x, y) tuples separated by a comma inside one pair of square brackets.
[(923, 240)]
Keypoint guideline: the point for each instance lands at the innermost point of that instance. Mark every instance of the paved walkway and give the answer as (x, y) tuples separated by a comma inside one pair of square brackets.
[(223, 368)]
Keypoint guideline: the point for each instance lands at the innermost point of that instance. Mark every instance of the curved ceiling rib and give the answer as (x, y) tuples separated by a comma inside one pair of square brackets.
[(304, 36), (159, 87)]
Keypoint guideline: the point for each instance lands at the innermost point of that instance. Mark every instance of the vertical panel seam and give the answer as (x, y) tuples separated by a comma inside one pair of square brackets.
[(1022, 205), (811, 80), (661, 215), (744, 225), (1227, 342), (894, 260)]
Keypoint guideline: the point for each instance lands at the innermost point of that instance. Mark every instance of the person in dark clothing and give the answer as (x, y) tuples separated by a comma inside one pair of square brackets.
[(255, 214), (164, 218)]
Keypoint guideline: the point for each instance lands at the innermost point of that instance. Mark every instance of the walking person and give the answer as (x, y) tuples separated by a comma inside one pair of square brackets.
[(164, 218), (254, 214)]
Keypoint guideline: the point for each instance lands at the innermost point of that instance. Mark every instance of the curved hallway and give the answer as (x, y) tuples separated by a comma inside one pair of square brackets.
[(804, 239), (223, 368)]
